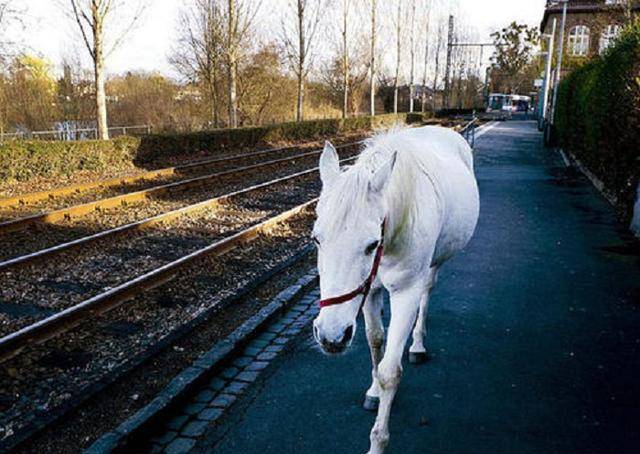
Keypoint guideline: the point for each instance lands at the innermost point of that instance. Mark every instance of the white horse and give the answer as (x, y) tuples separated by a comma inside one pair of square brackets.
[(407, 205)]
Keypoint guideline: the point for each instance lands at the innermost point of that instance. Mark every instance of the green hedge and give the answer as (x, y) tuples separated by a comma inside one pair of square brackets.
[(598, 116), (23, 160), (159, 146)]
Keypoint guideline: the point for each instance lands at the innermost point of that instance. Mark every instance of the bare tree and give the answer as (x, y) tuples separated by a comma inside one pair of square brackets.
[(372, 64), (343, 76), (345, 58), (627, 5), (427, 23), (10, 15), (240, 18), (232, 62), (344, 25), (298, 31), (93, 18), (213, 37), (413, 54), (197, 54), (396, 79), (438, 51)]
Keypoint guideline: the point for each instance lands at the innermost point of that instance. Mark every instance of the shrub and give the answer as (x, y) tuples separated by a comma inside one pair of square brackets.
[(443, 113), (598, 116), (160, 146), (23, 160)]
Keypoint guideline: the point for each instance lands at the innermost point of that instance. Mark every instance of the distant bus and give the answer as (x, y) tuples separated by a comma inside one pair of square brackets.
[(499, 102)]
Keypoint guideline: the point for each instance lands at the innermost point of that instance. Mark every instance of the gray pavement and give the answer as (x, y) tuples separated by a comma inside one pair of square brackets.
[(534, 332)]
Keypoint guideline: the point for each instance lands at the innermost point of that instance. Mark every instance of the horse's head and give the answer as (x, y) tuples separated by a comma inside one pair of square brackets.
[(348, 232)]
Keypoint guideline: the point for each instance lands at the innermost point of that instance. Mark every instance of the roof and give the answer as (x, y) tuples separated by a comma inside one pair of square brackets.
[(578, 7)]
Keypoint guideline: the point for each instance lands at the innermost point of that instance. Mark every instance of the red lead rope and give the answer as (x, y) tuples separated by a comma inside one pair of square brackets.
[(366, 285)]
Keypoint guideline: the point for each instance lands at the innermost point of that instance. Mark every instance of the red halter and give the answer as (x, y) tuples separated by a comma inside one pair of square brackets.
[(366, 285)]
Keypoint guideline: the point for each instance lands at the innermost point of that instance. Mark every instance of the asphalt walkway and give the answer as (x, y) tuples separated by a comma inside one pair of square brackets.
[(534, 332)]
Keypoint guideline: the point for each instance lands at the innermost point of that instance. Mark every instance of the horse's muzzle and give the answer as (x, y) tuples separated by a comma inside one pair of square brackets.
[(334, 346)]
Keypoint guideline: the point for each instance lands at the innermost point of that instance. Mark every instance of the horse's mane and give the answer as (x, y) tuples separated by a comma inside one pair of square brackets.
[(347, 199)]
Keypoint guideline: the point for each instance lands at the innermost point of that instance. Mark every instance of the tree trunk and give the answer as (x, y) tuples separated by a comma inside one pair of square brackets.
[(395, 99), (300, 103), (413, 55), (301, 62), (213, 92), (345, 60), (437, 68), (98, 60), (232, 66), (372, 82), (398, 44), (426, 64)]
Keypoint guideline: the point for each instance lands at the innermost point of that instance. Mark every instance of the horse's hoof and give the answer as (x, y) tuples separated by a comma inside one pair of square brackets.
[(418, 357), (371, 403)]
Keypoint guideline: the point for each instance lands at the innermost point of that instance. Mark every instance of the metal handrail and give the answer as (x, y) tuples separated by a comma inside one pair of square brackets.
[(468, 131), (62, 134)]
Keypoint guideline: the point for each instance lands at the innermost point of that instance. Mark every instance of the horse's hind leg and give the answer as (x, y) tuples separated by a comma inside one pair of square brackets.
[(417, 351), (375, 337)]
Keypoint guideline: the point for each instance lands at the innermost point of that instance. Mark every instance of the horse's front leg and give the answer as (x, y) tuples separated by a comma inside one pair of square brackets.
[(417, 351), (404, 309), (375, 338)]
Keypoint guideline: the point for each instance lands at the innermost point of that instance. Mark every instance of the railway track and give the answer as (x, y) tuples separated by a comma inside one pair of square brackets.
[(104, 260), (23, 205), (83, 209), (217, 233), (44, 235), (158, 304), (54, 285), (163, 218)]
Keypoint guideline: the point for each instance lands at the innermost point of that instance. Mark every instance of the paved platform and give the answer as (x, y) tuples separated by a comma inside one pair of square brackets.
[(534, 332)]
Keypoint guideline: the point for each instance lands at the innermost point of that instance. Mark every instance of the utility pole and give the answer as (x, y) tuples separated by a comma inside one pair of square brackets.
[(547, 76), (447, 71), (450, 46), (486, 85), (559, 66), (481, 46)]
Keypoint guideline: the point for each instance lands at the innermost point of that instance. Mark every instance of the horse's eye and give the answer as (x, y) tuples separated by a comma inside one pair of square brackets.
[(372, 247)]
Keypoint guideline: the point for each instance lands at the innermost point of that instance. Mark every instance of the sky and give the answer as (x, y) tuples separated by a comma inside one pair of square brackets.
[(50, 34)]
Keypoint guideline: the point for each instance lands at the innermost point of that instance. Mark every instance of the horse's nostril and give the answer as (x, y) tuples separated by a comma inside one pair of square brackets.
[(347, 335)]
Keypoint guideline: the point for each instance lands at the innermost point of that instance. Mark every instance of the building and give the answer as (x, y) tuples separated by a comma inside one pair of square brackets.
[(592, 25)]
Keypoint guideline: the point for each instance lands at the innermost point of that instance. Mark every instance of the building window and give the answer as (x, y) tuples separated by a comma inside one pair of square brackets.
[(609, 34), (579, 41)]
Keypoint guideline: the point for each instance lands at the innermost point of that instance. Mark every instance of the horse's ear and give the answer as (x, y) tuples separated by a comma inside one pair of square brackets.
[(329, 165), (382, 176)]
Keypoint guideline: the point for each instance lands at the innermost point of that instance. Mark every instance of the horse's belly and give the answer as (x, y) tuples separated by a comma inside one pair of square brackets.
[(462, 207)]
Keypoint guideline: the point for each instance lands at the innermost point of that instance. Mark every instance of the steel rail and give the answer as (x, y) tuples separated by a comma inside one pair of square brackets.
[(468, 131), (45, 329), (77, 211), (148, 222), (24, 199)]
